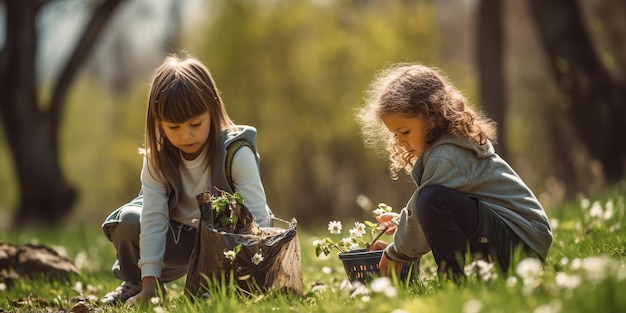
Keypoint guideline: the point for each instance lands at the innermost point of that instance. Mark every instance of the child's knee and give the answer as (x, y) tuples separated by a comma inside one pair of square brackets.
[(429, 200), (128, 225)]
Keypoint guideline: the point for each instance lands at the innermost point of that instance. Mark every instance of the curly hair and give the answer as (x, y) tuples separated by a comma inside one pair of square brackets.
[(414, 90)]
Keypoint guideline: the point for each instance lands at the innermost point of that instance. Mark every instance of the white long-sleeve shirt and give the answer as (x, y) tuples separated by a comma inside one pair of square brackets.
[(196, 178)]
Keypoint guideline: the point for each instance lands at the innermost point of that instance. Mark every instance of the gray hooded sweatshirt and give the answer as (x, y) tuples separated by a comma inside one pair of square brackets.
[(477, 171)]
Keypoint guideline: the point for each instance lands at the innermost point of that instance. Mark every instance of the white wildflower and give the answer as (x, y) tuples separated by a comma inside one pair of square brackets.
[(621, 273), (566, 281), (60, 250), (554, 224), (511, 281), (316, 243), (596, 210), (469, 269), (354, 246), (608, 212), (576, 264), (78, 287), (391, 292), (383, 285), (319, 288), (81, 260), (358, 230), (528, 268), (230, 255), (257, 258), (597, 268), (379, 285), (334, 227), (326, 270), (384, 207), (345, 285), (360, 290), (553, 307), (346, 241), (472, 306), (486, 271), (584, 203)]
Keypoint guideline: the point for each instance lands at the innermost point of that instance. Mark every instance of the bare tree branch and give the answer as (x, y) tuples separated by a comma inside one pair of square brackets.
[(83, 49)]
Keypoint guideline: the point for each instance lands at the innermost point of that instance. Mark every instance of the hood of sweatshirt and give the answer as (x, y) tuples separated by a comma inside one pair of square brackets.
[(481, 151)]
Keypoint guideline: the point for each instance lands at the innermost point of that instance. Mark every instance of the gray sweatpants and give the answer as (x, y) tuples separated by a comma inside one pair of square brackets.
[(122, 228)]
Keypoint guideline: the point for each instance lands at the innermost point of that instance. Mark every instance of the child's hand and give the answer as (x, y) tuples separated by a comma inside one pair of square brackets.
[(140, 298), (388, 222), (148, 291), (378, 245), (386, 266)]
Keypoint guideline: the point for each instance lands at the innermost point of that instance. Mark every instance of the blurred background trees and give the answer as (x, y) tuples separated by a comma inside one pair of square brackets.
[(31, 123), (296, 70)]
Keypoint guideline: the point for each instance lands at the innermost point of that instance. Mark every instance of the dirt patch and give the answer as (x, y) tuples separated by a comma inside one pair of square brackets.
[(34, 262)]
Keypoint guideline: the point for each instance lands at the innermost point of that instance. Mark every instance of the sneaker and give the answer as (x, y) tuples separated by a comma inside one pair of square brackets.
[(121, 293)]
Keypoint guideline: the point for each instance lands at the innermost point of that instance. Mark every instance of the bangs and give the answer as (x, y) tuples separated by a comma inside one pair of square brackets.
[(179, 102)]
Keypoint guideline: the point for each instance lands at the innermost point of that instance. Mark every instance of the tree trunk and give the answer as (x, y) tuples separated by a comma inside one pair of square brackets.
[(490, 65), (597, 100), (45, 196), (31, 129)]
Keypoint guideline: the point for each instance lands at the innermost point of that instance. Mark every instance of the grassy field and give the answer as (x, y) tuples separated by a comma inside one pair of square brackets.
[(585, 272)]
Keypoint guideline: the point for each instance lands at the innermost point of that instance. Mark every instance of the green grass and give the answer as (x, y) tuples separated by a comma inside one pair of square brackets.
[(585, 272)]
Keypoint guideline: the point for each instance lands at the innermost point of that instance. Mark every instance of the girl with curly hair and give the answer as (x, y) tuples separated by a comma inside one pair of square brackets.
[(468, 201)]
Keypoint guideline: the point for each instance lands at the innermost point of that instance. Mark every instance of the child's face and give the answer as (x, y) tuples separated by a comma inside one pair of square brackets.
[(189, 136), (410, 132)]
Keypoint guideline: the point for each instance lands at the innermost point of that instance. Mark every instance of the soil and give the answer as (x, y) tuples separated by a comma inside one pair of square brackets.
[(34, 262)]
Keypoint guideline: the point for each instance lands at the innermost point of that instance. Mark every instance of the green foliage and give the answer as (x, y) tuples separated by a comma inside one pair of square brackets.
[(100, 140), (296, 70), (584, 272), (8, 178), (224, 213)]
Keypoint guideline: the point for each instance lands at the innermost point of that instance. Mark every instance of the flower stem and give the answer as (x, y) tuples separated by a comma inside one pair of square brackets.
[(337, 247), (369, 245)]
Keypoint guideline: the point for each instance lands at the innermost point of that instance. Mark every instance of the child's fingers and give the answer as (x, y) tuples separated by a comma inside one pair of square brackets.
[(379, 245), (390, 230), (385, 217), (388, 227), (383, 265)]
